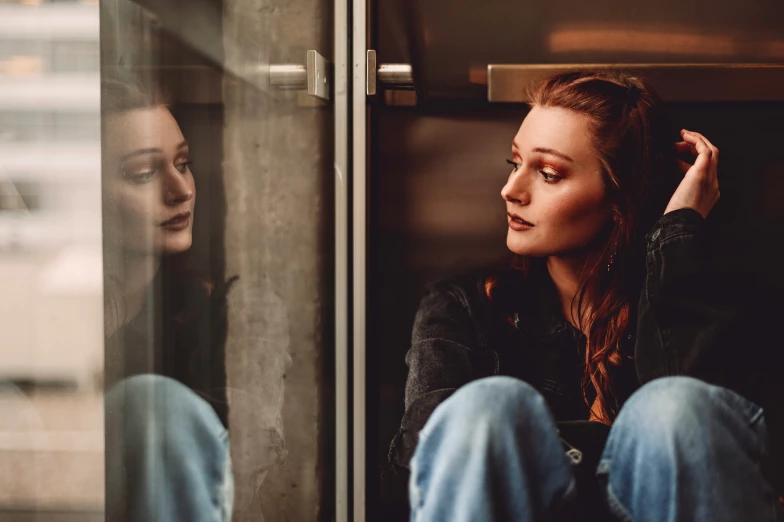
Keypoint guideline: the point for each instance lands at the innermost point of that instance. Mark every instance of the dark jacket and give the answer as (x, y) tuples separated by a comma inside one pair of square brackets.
[(689, 321), (180, 333)]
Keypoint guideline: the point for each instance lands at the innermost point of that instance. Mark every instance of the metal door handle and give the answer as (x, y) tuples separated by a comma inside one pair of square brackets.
[(397, 76), (313, 76)]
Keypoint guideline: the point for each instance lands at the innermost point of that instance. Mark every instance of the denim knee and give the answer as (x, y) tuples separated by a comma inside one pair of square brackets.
[(176, 414), (681, 411), (678, 445), (167, 453), (492, 403), (664, 409), (491, 451)]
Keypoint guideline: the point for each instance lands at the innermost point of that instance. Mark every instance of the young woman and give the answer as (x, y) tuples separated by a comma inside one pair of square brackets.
[(603, 376), (167, 454)]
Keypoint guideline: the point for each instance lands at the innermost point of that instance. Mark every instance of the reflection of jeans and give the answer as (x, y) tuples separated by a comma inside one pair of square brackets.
[(167, 454), (680, 450)]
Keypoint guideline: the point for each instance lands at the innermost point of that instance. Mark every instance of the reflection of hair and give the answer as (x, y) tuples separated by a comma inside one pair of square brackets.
[(632, 135), (118, 96)]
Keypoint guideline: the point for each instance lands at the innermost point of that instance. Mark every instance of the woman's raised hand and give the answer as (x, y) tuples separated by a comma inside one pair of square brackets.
[(699, 188)]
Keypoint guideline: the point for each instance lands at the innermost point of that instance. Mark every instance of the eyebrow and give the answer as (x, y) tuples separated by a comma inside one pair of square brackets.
[(554, 152), (152, 150), (545, 150)]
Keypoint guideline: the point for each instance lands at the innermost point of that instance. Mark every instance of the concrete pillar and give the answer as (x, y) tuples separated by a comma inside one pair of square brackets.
[(278, 182)]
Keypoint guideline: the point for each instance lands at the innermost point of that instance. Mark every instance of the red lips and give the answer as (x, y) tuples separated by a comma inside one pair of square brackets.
[(520, 220), (182, 216)]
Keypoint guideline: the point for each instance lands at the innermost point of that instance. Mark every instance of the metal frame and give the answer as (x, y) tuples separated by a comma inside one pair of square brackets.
[(359, 45), (340, 82), (681, 82)]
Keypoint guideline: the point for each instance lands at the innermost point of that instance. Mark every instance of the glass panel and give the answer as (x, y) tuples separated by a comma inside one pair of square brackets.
[(218, 261), (434, 201), (163, 359), (51, 317)]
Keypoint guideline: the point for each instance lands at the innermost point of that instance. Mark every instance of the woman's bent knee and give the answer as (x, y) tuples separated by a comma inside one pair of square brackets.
[(666, 405), (493, 431), (496, 399), (167, 453), (153, 411), (682, 412), (493, 404)]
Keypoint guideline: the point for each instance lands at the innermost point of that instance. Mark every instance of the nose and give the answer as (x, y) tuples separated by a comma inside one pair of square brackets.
[(177, 187), (516, 190)]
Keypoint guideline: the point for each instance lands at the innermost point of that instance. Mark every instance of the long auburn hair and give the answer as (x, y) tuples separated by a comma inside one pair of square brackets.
[(634, 141)]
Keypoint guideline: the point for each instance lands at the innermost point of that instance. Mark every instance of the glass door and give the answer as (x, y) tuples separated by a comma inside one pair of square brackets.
[(435, 166), (238, 172), (174, 205)]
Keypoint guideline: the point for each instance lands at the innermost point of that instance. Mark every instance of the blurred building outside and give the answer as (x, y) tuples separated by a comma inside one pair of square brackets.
[(51, 317)]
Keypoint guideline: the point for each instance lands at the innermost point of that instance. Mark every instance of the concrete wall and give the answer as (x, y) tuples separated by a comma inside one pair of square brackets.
[(277, 176)]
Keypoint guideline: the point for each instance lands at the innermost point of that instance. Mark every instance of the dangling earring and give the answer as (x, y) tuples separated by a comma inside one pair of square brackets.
[(612, 260)]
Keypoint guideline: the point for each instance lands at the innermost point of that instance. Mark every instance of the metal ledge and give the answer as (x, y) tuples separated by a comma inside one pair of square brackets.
[(687, 82)]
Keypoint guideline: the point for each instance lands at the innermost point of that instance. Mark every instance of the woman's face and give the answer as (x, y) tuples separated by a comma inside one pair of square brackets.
[(555, 196), (148, 182)]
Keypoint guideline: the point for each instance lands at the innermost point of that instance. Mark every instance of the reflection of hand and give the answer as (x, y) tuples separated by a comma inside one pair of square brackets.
[(699, 189)]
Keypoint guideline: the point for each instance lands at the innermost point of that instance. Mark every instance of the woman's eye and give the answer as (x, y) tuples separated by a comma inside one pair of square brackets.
[(549, 177), (141, 176), (514, 164), (183, 166)]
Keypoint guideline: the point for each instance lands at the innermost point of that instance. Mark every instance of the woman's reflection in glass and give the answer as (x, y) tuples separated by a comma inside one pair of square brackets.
[(167, 453)]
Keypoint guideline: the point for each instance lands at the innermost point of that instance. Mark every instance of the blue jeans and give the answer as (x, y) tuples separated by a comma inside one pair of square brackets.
[(680, 450), (167, 454)]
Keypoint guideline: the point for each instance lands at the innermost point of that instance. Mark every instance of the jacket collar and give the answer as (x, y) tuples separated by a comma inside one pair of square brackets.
[(538, 311)]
